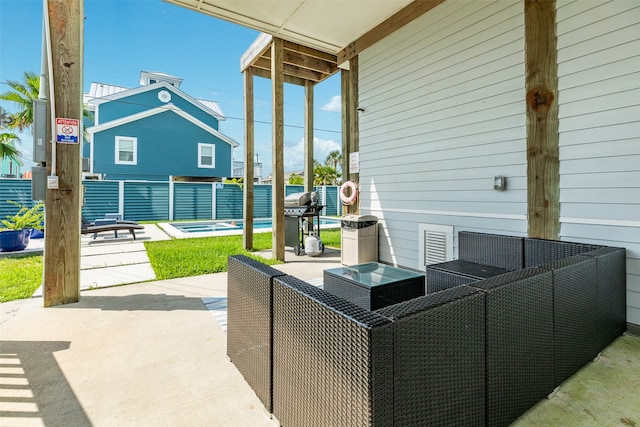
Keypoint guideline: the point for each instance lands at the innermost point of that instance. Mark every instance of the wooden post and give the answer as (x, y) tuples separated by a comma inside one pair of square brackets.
[(346, 119), (247, 233), (277, 82), (350, 128), (543, 168), (62, 206), (308, 135)]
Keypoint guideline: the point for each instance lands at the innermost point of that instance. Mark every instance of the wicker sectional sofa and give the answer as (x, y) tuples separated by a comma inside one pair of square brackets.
[(480, 352)]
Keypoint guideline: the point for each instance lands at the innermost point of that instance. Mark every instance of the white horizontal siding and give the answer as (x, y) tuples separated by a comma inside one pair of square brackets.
[(444, 113), (599, 112)]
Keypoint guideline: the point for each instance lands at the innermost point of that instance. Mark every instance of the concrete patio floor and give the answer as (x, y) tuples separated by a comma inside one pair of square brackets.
[(151, 354)]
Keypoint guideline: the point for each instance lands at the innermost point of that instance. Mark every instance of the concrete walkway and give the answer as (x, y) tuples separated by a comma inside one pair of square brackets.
[(108, 260), (152, 354)]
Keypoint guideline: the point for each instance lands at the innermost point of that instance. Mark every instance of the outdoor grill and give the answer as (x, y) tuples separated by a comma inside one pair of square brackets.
[(301, 210)]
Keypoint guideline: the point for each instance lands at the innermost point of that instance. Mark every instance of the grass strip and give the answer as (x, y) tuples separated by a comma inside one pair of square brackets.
[(19, 277), (192, 257)]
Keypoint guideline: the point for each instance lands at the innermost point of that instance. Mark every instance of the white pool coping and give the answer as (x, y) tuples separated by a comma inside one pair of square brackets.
[(174, 232)]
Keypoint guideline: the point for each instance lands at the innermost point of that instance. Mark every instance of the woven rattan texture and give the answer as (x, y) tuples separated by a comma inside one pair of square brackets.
[(438, 280), (611, 284), (492, 249), (519, 342), (439, 359), (343, 288), (575, 315), (249, 322), (375, 297), (332, 360), (540, 251)]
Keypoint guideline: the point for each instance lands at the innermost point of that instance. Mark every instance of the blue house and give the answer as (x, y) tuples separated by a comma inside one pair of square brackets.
[(155, 132)]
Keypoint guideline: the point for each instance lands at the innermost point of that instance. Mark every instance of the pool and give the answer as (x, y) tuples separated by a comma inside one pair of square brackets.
[(228, 227)]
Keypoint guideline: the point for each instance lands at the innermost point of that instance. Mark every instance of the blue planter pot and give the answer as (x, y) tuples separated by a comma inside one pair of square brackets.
[(37, 234), (14, 240)]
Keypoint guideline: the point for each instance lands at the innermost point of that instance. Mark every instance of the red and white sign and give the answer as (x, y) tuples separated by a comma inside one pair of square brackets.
[(67, 131)]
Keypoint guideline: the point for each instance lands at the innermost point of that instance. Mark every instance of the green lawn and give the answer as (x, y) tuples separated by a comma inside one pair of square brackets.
[(21, 276), (192, 257)]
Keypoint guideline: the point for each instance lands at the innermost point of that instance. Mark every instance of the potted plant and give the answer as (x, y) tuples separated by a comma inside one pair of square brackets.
[(16, 229)]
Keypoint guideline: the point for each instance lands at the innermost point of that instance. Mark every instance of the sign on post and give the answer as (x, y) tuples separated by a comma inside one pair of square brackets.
[(354, 162), (67, 131)]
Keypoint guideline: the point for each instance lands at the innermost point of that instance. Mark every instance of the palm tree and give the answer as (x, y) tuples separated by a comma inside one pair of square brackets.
[(334, 159), (295, 179), (8, 149), (23, 94), (324, 175)]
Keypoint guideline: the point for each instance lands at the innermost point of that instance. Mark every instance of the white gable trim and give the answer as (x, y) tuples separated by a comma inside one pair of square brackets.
[(155, 86), (152, 112)]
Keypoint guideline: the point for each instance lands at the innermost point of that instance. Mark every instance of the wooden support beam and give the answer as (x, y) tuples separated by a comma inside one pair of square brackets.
[(277, 84), (345, 100), (308, 136), (266, 74), (290, 70), (308, 62), (309, 51), (354, 128), (350, 128), (543, 166), (398, 20), (249, 123), (62, 205)]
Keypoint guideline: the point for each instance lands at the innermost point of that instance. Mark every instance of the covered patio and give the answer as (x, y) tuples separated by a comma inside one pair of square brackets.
[(517, 117), (152, 354)]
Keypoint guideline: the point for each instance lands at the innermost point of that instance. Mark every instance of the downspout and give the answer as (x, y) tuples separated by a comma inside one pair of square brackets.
[(46, 43)]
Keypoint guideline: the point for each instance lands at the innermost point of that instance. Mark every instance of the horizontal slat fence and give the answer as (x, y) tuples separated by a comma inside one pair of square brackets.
[(192, 200), (17, 190), (100, 198), (150, 201)]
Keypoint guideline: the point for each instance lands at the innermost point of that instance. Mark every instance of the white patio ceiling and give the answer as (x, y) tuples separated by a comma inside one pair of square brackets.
[(327, 25)]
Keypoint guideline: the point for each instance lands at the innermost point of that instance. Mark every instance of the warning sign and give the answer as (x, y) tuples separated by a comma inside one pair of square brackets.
[(67, 131)]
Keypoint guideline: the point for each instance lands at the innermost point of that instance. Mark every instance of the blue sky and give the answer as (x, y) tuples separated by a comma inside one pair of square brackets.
[(124, 37)]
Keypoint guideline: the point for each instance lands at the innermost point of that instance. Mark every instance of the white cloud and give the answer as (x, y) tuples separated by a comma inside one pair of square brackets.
[(335, 105), (294, 153)]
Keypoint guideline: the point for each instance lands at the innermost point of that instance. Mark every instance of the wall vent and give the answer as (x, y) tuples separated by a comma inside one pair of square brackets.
[(436, 244)]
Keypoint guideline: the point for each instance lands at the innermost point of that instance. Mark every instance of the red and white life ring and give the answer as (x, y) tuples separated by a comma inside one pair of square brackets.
[(351, 198)]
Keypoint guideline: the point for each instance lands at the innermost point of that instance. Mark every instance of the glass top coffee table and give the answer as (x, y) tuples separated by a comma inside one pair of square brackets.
[(374, 285)]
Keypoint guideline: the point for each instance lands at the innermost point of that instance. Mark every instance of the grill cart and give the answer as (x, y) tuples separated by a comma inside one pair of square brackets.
[(301, 219)]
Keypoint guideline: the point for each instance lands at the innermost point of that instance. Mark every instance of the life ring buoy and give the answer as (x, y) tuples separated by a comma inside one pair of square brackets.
[(351, 198)]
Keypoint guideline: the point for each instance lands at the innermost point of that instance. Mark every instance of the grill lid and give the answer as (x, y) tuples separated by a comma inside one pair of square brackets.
[(301, 199)]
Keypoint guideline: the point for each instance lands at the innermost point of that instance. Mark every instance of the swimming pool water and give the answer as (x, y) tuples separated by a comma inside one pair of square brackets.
[(258, 224)]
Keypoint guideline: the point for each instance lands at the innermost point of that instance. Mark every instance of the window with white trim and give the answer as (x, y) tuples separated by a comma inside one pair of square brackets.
[(206, 155), (126, 150)]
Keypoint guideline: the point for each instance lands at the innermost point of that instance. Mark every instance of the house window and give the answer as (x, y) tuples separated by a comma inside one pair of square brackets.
[(206, 156), (126, 150)]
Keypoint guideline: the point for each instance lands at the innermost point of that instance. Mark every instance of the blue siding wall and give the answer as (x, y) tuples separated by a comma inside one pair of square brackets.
[(167, 145), (192, 201), (146, 201), (18, 190), (86, 148), (140, 102), (100, 198)]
